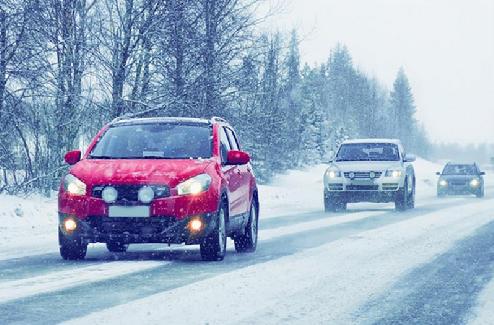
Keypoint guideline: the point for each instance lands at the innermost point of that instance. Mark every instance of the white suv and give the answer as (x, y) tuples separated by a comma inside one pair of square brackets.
[(370, 170)]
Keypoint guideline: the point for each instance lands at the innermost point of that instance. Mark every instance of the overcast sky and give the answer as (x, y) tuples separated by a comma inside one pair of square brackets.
[(445, 46)]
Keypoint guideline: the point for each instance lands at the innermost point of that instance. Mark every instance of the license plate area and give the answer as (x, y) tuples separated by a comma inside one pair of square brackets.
[(362, 182), (116, 211)]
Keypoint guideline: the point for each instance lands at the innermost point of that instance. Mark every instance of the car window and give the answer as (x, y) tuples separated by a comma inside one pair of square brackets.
[(233, 140), (154, 141), (224, 145)]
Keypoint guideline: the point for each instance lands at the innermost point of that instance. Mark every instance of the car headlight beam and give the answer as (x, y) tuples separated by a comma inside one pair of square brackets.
[(74, 186), (333, 173), (395, 173), (70, 225), (443, 183), (474, 183), (194, 185)]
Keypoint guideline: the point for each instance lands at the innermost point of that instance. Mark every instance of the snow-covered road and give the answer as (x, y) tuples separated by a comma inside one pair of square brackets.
[(430, 265)]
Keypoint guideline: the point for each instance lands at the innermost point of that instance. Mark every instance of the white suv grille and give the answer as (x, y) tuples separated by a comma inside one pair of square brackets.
[(357, 175)]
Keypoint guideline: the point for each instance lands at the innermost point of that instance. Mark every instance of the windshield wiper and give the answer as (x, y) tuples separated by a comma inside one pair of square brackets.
[(352, 159), (101, 157), (153, 157)]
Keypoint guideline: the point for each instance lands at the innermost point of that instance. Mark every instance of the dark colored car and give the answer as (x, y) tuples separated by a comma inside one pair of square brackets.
[(159, 180), (458, 179)]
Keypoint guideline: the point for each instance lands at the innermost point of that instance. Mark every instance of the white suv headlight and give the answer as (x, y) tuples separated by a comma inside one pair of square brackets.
[(332, 173), (395, 173), (73, 185), (194, 185)]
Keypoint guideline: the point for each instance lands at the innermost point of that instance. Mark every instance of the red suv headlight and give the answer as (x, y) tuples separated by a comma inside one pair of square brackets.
[(194, 185), (74, 186)]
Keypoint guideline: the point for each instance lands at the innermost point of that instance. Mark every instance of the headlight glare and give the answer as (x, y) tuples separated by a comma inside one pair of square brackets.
[(333, 173), (474, 183), (74, 186), (393, 173), (195, 225), (70, 225), (443, 183), (194, 185)]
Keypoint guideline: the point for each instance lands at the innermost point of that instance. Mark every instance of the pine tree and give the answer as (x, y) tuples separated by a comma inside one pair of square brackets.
[(291, 104), (340, 80), (270, 115), (403, 110), (311, 127)]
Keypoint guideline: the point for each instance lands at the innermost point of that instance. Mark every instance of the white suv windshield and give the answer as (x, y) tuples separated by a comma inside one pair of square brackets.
[(368, 152)]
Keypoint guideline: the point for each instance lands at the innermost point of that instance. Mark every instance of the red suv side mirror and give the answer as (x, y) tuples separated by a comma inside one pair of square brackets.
[(236, 157), (72, 157)]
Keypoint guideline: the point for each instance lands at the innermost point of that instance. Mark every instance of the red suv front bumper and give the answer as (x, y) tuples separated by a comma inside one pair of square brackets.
[(169, 221)]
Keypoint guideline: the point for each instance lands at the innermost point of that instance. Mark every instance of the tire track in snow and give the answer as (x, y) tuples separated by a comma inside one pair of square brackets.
[(443, 291), (56, 281)]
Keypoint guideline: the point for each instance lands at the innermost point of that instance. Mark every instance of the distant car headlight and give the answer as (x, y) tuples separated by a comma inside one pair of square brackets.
[(395, 173), (443, 183), (145, 194), (333, 173), (109, 194), (194, 185), (74, 186), (474, 183)]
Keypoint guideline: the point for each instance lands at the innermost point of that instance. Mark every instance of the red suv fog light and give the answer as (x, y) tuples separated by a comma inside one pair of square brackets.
[(69, 225), (195, 225)]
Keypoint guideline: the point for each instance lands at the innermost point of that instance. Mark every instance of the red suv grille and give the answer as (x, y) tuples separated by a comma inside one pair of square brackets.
[(128, 193), (133, 226)]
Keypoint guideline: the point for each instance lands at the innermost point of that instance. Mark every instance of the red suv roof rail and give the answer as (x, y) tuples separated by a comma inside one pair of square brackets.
[(218, 119)]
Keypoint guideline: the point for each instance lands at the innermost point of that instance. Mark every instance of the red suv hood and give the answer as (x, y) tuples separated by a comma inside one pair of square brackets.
[(142, 171)]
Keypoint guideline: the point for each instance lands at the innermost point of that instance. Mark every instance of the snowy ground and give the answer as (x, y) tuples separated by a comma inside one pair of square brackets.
[(430, 265), (26, 221)]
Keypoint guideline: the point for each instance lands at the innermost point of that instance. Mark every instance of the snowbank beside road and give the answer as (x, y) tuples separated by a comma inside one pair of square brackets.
[(27, 225), (425, 174), (295, 191)]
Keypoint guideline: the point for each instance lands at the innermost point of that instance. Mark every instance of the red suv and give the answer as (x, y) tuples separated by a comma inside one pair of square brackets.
[(159, 180)]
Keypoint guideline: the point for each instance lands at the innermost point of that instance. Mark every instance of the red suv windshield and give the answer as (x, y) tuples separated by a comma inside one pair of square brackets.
[(154, 141)]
